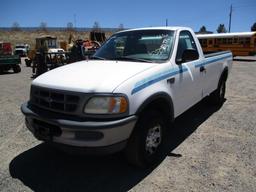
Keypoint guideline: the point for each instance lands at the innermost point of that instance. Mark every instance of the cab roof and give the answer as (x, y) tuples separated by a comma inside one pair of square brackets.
[(226, 35), (171, 28)]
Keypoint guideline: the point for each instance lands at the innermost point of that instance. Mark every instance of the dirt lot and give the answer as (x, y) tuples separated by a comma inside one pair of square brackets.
[(210, 149)]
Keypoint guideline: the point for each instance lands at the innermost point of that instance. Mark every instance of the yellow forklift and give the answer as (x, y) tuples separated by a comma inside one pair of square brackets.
[(46, 55)]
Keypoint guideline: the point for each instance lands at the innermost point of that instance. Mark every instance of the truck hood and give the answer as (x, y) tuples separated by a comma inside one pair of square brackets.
[(91, 76)]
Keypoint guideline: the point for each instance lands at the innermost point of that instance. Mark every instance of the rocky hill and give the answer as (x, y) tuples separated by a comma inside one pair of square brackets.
[(15, 37)]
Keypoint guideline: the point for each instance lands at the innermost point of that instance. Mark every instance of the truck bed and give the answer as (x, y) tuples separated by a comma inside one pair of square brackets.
[(214, 53), (9, 59)]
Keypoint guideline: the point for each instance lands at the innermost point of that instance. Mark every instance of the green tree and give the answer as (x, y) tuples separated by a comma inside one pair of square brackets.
[(70, 26), (43, 26), (15, 26), (96, 26), (121, 27), (221, 29), (202, 29), (253, 28)]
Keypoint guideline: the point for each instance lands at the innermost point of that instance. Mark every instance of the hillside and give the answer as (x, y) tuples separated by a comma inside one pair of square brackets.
[(29, 37)]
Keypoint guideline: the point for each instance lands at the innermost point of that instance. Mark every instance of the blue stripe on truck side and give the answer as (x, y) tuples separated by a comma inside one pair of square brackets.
[(154, 79), (166, 74), (212, 61)]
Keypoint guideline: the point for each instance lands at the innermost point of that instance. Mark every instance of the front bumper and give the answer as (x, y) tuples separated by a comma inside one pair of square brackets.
[(78, 133)]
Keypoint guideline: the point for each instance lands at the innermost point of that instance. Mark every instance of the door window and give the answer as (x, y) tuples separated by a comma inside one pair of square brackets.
[(186, 41)]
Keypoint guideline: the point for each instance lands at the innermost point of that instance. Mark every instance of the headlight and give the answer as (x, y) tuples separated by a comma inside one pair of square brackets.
[(106, 105)]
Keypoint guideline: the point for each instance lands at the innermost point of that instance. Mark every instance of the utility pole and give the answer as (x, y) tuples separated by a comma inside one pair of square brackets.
[(166, 22), (75, 20), (230, 17)]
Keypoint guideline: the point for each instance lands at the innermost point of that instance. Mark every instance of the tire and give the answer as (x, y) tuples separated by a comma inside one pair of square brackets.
[(218, 96), (28, 62), (16, 69), (146, 144)]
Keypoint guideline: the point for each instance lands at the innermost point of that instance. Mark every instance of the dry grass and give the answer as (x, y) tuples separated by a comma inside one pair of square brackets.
[(29, 37)]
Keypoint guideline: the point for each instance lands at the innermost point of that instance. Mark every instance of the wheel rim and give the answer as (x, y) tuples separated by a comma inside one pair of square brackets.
[(153, 139)]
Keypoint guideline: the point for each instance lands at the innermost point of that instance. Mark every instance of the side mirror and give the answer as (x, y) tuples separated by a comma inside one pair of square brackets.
[(188, 55)]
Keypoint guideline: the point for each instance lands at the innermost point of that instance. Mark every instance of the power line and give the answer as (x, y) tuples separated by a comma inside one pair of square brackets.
[(75, 20), (230, 17), (243, 6)]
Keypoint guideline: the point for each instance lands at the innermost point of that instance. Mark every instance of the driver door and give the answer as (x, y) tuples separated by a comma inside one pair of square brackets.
[(187, 89)]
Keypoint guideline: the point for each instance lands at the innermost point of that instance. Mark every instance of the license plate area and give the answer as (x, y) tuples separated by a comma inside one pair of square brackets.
[(45, 131)]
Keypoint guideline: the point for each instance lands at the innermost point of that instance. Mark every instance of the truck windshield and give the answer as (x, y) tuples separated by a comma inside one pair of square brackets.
[(140, 45)]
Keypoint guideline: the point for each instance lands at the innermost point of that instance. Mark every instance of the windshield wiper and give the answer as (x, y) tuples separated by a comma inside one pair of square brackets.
[(125, 58), (97, 57)]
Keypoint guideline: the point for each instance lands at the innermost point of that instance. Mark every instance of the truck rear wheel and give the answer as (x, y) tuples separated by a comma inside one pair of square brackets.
[(16, 68), (145, 145), (218, 96)]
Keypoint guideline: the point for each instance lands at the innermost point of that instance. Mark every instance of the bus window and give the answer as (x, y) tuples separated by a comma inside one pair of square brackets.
[(229, 40), (247, 41), (235, 40), (210, 42), (241, 41), (219, 41), (203, 42), (224, 41)]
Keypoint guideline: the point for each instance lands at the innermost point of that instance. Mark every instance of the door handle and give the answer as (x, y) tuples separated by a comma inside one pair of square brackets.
[(202, 68)]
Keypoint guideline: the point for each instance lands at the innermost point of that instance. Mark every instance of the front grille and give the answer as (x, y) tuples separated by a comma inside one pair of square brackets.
[(54, 100)]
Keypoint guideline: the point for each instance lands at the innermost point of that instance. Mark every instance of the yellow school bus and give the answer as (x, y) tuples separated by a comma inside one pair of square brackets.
[(241, 44)]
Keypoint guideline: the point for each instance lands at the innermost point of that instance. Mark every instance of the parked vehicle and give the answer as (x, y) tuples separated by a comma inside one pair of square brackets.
[(21, 50), (82, 50), (241, 44), (56, 54), (7, 60), (98, 36), (5, 48), (127, 97), (44, 43), (46, 55)]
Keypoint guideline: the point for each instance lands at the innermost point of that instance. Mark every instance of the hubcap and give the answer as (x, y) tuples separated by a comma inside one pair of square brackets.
[(153, 140)]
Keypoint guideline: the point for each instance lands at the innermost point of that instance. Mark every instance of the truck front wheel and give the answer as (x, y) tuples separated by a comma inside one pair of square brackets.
[(145, 145)]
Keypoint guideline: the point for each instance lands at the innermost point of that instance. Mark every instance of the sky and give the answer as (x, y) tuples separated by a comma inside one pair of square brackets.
[(130, 13)]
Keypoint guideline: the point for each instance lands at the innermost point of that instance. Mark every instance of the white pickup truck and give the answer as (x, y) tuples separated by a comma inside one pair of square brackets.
[(127, 96)]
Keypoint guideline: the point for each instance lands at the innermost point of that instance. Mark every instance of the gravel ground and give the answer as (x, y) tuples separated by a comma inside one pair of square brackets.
[(209, 150)]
